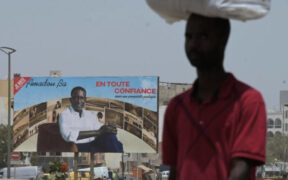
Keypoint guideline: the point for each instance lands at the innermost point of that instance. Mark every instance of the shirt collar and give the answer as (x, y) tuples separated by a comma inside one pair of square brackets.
[(221, 92), (227, 86), (74, 112)]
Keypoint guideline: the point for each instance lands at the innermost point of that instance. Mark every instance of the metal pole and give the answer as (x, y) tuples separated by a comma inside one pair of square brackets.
[(91, 165), (9, 120), (137, 164), (123, 166), (14, 171), (9, 51), (285, 159), (76, 156)]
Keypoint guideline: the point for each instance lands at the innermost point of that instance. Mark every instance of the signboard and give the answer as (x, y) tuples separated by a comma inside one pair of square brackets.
[(58, 114), (15, 156)]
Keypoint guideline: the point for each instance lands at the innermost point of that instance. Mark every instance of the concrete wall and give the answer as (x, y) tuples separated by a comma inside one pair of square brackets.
[(3, 110), (168, 90)]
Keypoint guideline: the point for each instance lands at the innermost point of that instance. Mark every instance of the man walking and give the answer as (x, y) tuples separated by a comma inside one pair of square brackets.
[(217, 129)]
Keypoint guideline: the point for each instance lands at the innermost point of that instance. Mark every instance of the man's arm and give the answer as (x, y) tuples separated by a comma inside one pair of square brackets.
[(105, 129), (240, 169), (249, 137)]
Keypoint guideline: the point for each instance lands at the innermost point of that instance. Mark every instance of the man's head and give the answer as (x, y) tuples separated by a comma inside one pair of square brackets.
[(205, 40), (99, 115), (78, 98)]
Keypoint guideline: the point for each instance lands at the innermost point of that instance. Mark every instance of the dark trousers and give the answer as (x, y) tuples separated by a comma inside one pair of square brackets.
[(103, 143)]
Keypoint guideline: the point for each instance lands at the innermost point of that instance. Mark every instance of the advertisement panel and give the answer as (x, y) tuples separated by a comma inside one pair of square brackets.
[(86, 114)]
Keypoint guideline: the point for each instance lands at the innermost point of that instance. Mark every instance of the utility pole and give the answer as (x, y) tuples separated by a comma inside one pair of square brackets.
[(8, 51)]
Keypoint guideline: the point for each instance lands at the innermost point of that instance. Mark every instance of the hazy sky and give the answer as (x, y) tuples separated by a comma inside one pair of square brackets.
[(125, 37)]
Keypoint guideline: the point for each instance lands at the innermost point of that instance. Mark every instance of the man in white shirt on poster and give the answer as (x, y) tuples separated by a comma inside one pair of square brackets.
[(84, 129)]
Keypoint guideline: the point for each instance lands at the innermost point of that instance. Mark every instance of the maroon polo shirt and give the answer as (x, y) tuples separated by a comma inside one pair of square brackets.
[(201, 138)]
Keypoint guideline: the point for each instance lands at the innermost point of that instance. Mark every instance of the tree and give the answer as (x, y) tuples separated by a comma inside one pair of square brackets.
[(34, 159), (3, 145), (277, 148)]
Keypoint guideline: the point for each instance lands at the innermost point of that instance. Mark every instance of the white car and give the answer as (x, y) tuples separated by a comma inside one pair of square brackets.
[(165, 174), (26, 172), (99, 172)]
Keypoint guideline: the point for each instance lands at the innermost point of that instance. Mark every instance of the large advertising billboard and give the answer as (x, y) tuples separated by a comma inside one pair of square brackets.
[(86, 114)]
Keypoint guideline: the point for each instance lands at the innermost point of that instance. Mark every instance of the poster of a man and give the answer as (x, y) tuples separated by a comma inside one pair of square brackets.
[(83, 127)]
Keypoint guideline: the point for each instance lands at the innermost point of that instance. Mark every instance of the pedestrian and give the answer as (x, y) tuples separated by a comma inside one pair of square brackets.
[(217, 129)]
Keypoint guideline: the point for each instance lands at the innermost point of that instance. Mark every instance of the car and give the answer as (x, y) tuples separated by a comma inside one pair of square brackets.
[(99, 172), (25, 172), (165, 174)]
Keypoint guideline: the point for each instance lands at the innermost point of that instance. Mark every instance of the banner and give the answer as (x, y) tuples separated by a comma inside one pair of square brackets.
[(101, 114)]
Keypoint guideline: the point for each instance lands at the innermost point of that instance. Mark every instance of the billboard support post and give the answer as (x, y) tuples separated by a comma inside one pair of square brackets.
[(14, 171), (76, 157), (91, 165), (9, 51), (137, 166), (123, 165)]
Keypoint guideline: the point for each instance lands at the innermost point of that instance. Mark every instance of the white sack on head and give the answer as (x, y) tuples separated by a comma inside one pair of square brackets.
[(176, 10)]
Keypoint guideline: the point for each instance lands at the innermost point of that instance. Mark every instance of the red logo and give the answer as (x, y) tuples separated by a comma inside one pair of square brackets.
[(19, 82)]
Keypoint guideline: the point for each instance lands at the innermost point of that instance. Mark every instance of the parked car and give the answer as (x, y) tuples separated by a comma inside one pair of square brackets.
[(26, 172), (165, 174), (99, 172)]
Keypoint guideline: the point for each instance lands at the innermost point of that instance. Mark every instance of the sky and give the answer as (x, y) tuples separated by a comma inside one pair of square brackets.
[(126, 38)]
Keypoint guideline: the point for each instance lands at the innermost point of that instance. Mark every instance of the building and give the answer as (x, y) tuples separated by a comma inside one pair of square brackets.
[(277, 121), (169, 90), (283, 98), (55, 73), (4, 101), (274, 123), (3, 110)]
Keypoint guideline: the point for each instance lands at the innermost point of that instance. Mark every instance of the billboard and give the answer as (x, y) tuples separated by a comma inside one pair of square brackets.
[(86, 114)]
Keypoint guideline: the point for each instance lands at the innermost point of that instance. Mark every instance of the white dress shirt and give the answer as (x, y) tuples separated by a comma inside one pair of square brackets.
[(71, 124)]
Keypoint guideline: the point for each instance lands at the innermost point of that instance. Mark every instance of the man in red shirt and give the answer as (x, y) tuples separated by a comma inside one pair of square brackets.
[(217, 129)]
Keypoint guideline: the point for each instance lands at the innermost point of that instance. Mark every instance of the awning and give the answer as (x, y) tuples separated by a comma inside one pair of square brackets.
[(164, 167), (144, 168)]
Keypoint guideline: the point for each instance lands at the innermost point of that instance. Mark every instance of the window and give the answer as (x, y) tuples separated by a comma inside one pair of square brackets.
[(286, 114), (42, 154), (278, 133), (270, 134), (55, 153), (270, 123), (278, 123)]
